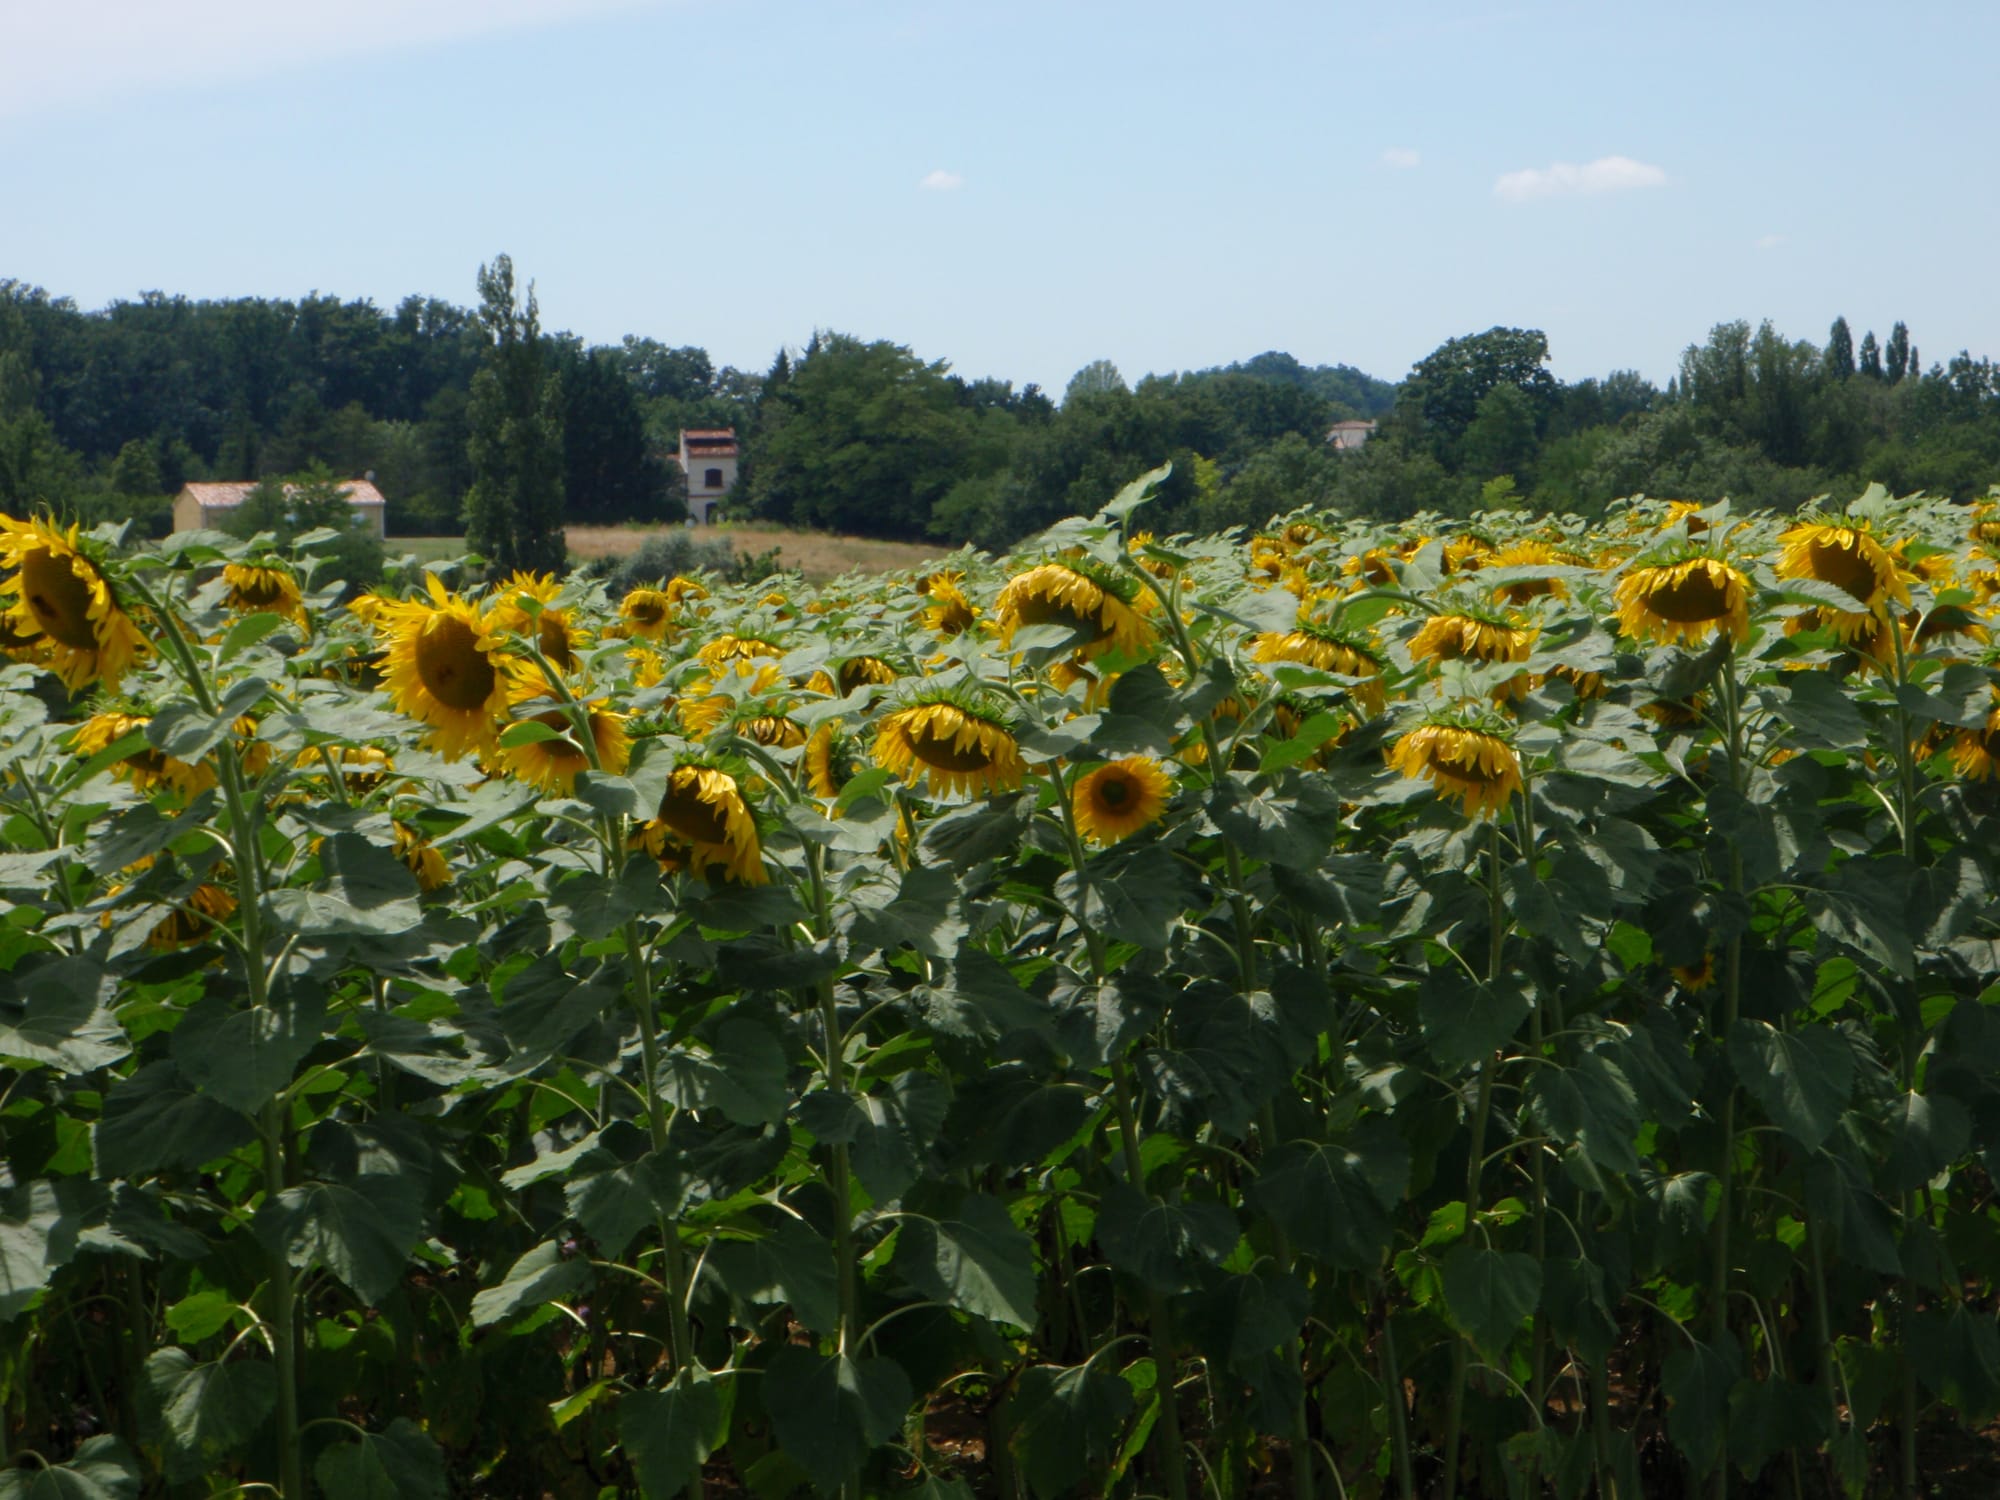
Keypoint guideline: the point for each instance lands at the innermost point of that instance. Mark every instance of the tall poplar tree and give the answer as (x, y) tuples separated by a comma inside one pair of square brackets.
[(1896, 353), (1840, 351), (1871, 356), (514, 509)]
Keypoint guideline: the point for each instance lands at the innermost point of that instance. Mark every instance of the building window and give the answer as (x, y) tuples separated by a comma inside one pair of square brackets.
[(711, 479)]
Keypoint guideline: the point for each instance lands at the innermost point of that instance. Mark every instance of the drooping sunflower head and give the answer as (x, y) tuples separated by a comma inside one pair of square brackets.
[(1117, 800), (147, 769), (1082, 596), (447, 666), (713, 701), (1529, 553), (205, 908), (1695, 978), (1467, 755), (1848, 557), (728, 648), (682, 591), (552, 764), (423, 859), (1375, 566), (1472, 633), (524, 605), (1975, 753), (1684, 600), (64, 600), (863, 671), (1951, 623), (259, 587), (949, 612), (832, 759), (1326, 648), (704, 824), (958, 740)]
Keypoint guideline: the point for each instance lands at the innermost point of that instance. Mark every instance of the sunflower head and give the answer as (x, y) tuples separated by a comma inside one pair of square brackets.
[(1685, 601), (646, 613), (955, 738), (148, 770), (524, 605), (1325, 648), (832, 759), (1848, 557), (1082, 596), (552, 764), (64, 601), (1467, 755), (1115, 801), (206, 907), (448, 667), (268, 586), (1528, 553), (424, 860), (863, 671), (1472, 633), (703, 824)]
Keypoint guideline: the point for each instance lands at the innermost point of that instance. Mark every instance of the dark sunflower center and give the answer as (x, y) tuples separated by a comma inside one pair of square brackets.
[(58, 599), (566, 748), (1114, 792), (1689, 599), (452, 667), (647, 612), (268, 589), (1041, 611), (553, 639), (696, 821), (1843, 567), (946, 754)]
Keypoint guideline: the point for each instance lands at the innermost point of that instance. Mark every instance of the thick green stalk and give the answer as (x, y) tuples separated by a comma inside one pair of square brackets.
[(1482, 1110), (1732, 994), (273, 1119), (1906, 782), (680, 1343), (1168, 1451), (1399, 1415)]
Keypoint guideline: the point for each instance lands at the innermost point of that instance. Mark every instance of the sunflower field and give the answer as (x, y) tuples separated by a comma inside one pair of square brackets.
[(1507, 1009)]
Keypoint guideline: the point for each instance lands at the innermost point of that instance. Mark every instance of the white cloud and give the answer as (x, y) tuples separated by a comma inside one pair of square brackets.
[(58, 54), (1767, 242), (1402, 156), (941, 181), (1608, 174)]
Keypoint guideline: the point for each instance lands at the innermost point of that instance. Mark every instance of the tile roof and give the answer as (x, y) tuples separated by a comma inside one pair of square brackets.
[(215, 495)]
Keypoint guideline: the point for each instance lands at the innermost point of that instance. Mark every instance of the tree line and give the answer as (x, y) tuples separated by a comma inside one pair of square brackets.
[(476, 419)]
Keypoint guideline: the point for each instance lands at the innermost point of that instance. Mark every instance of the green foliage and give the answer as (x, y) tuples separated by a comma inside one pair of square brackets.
[(514, 506), (294, 506)]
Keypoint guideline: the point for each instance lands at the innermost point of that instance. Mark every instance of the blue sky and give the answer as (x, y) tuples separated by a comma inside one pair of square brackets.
[(1022, 188)]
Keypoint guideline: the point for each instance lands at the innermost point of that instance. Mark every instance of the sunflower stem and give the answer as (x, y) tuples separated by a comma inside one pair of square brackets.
[(272, 1123), (1168, 1452), (1732, 991)]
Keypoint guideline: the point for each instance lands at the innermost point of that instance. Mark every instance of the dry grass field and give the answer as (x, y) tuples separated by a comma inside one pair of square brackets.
[(818, 555)]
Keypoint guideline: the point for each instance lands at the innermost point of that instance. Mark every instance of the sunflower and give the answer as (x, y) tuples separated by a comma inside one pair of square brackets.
[(422, 857), (1676, 713), (772, 730), (259, 587), (1951, 622), (1312, 644), (446, 668), (646, 613), (1470, 637), (864, 671), (962, 744), (1685, 511), (1695, 978), (708, 703), (949, 613), (556, 634), (552, 764), (1852, 561), (362, 767), (1094, 604), (1529, 554), (728, 648), (148, 770), (1685, 601), (1116, 801), (1376, 566), (1464, 756), (206, 906), (832, 759), (703, 818), (66, 601), (680, 591)]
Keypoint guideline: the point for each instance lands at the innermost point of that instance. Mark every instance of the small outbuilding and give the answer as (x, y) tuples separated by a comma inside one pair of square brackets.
[(204, 506)]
